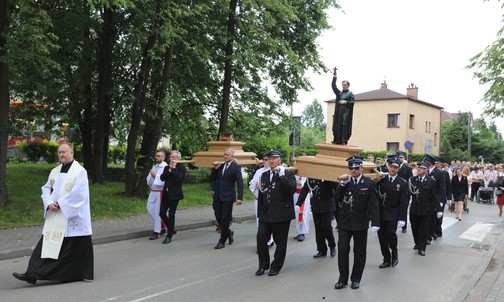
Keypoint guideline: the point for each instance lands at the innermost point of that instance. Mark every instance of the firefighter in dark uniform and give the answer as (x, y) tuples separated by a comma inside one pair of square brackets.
[(405, 172), (438, 231), (356, 205), (394, 201), (440, 179), (322, 206), (275, 210), (424, 203)]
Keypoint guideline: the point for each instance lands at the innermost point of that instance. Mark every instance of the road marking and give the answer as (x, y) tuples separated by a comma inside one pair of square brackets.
[(448, 222), (477, 231)]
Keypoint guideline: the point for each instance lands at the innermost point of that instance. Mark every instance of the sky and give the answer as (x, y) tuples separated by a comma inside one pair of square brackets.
[(425, 42)]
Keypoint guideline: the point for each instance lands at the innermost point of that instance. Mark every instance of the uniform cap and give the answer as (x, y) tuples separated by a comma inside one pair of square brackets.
[(274, 153)]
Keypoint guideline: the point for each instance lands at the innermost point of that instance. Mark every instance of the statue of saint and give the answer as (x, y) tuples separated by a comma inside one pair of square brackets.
[(343, 111)]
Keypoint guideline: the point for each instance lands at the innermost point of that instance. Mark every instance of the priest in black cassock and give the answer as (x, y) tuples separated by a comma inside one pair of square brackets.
[(67, 192)]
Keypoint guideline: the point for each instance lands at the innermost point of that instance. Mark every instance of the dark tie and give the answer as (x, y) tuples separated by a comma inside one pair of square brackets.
[(355, 181), (391, 179)]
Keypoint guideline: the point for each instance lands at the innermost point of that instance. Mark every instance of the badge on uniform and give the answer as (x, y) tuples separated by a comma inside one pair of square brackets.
[(398, 187)]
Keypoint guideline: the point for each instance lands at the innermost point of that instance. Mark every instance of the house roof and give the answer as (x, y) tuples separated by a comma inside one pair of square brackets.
[(445, 115), (386, 94)]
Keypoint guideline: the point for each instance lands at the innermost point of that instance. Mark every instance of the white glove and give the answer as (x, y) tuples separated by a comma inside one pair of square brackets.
[(449, 201), (281, 170), (400, 224), (374, 229), (343, 182), (296, 208), (441, 204), (439, 214)]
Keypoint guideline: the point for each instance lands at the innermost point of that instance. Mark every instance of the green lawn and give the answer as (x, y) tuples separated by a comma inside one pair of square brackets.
[(107, 201)]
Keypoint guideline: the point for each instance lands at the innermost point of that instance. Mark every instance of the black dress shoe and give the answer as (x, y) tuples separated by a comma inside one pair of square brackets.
[(300, 237), (273, 272), (231, 237), (163, 231), (260, 272), (415, 247), (167, 240), (394, 262), (429, 242), (319, 254), (384, 264), (332, 251), (339, 285), (219, 246), (434, 236), (404, 231), (271, 244), (421, 253), (296, 237), (25, 278), (355, 285), (154, 236)]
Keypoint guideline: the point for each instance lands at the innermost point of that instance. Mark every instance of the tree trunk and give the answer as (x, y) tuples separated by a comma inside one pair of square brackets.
[(104, 76), (228, 67), (136, 116), (4, 99)]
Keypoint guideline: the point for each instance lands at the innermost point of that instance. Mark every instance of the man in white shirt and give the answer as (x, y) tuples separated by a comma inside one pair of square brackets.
[(155, 195)]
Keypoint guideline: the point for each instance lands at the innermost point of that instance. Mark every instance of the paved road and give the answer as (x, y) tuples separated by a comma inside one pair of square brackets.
[(189, 269)]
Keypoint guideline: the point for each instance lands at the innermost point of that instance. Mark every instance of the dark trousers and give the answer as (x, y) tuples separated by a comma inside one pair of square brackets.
[(359, 250), (436, 228), (223, 211), (280, 232), (420, 227), (474, 189), (169, 206), (323, 231), (388, 240)]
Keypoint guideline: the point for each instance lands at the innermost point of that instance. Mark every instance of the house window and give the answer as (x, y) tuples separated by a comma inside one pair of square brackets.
[(393, 120), (392, 147), (412, 121), (426, 127), (429, 127), (435, 139)]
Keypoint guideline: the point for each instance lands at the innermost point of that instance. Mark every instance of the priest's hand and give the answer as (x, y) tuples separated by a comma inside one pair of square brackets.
[(53, 207)]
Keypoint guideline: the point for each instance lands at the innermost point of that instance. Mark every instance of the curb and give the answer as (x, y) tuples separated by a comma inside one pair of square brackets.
[(26, 252)]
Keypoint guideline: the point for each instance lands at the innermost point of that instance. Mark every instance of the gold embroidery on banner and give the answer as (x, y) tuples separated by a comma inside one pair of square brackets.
[(52, 181), (68, 187)]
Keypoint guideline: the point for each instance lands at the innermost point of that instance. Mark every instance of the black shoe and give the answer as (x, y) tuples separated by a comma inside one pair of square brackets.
[(163, 231), (174, 232), (429, 242), (167, 240), (394, 262), (260, 272), (355, 285), (273, 272), (404, 231), (231, 237), (154, 236), (271, 244), (434, 237), (219, 246), (384, 264), (24, 277), (295, 237), (319, 254), (332, 251), (300, 237), (339, 285), (415, 247), (421, 253)]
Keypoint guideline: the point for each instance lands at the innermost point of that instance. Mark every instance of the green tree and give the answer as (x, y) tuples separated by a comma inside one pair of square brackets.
[(4, 99), (313, 116)]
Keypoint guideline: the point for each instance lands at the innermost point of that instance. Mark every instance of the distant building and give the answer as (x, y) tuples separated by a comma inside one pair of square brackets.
[(384, 120)]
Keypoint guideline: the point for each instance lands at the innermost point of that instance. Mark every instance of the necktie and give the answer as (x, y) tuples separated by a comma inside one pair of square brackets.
[(224, 170), (391, 179), (355, 181)]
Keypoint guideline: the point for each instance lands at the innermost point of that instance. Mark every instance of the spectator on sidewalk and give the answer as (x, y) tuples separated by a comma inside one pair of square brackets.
[(156, 191)]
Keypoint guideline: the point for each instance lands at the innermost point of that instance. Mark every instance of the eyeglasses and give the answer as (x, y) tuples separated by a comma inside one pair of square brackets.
[(353, 168)]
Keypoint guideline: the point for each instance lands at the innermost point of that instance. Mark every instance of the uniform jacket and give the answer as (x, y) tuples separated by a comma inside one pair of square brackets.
[(459, 187), (405, 172), (323, 192), (394, 199), (356, 205), (225, 186), (440, 180), (424, 196), (173, 180), (448, 184), (275, 201)]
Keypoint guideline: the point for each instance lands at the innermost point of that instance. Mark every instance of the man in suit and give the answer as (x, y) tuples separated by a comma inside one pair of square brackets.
[(356, 205), (226, 180), (275, 210), (322, 207), (438, 231), (173, 177), (394, 201), (424, 203)]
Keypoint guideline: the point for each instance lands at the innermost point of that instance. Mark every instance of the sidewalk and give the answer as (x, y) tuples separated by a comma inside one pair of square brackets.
[(19, 242)]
